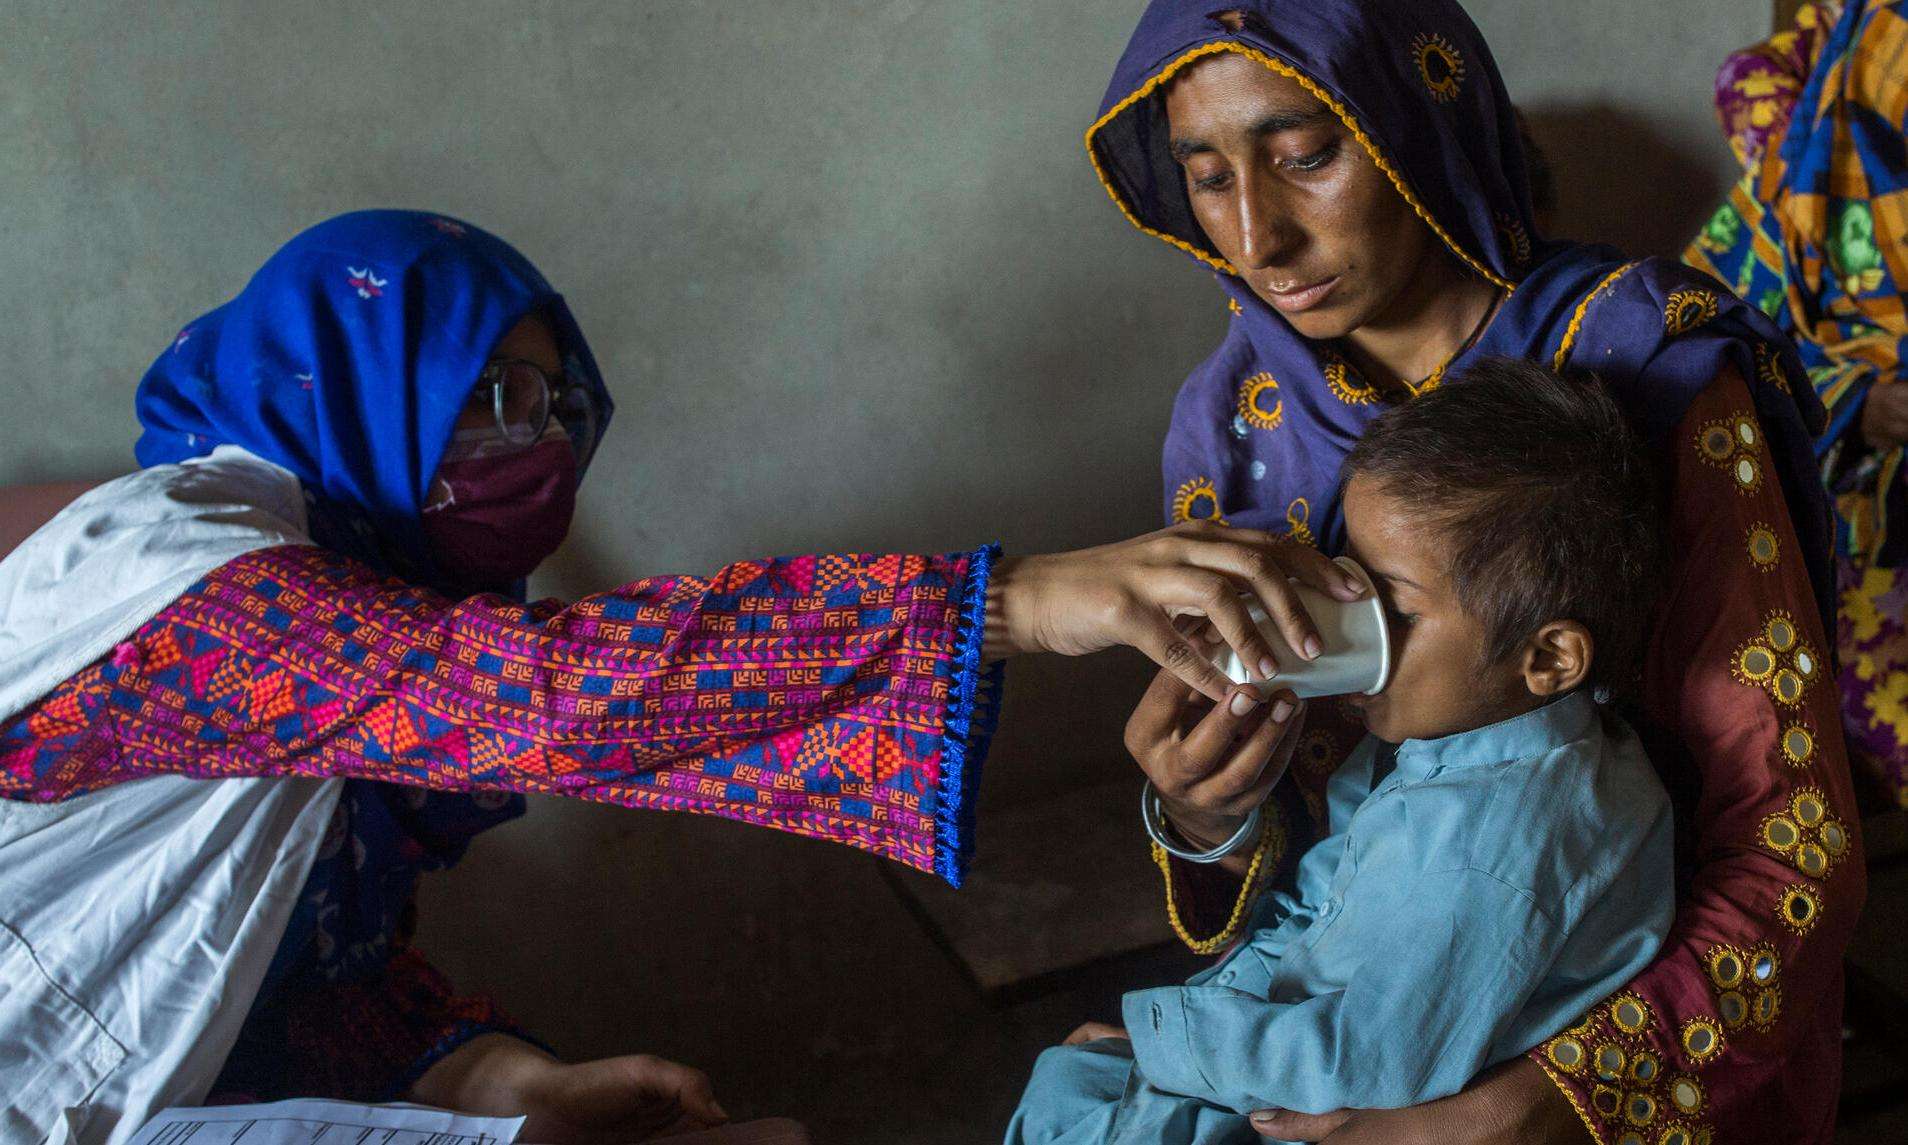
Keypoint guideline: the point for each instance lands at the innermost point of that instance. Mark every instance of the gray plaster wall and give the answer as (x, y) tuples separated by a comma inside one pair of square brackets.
[(853, 285)]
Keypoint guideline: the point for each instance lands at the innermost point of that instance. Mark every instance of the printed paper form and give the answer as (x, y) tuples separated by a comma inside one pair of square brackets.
[(313, 1122)]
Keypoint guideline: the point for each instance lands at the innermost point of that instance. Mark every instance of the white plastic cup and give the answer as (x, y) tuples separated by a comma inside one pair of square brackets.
[(1355, 639)]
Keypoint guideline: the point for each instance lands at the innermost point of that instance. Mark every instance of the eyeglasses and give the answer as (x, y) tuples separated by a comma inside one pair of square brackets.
[(521, 397)]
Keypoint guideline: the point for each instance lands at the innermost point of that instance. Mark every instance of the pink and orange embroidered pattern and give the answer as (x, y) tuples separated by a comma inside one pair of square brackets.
[(839, 697)]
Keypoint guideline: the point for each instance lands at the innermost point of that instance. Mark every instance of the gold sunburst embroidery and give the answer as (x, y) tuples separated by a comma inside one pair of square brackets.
[(1732, 1008), (1716, 441), (1318, 751), (1639, 1109), (1799, 908), (1629, 1013), (1701, 1039), (1767, 1005), (1610, 1060), (1764, 549), (1644, 1067), (1566, 1053), (1346, 386), (1754, 664), (1197, 500), (1439, 65), (1687, 309), (1808, 807), (1779, 833), (1259, 402), (1725, 966), (1798, 744), (1686, 1093), (1769, 367), (1811, 859), (1834, 838)]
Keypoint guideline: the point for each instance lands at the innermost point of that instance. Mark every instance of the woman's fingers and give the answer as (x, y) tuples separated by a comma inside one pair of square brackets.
[(1217, 599), (1251, 546), (1289, 1125), (1093, 1032), (694, 1093), (1261, 758), (1209, 744), (1155, 719), (1257, 568), (1176, 757), (1149, 630)]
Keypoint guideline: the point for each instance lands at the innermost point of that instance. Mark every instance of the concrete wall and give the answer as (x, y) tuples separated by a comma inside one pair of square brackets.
[(853, 285)]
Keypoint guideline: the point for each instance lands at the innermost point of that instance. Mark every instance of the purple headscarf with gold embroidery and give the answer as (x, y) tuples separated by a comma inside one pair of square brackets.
[(1262, 425)]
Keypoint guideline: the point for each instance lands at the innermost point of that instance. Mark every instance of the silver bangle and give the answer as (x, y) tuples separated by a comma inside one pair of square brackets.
[(1153, 816)]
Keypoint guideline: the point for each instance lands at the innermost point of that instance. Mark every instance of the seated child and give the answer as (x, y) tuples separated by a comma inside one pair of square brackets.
[(1498, 858)]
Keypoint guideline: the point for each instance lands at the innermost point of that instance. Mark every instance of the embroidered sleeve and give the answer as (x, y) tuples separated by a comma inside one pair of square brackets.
[(840, 697), (1737, 1020)]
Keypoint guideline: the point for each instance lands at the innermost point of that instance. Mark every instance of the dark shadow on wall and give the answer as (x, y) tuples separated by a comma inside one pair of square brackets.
[(1621, 180)]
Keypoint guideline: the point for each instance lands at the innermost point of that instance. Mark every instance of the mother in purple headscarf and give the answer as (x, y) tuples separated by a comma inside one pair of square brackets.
[(1352, 173)]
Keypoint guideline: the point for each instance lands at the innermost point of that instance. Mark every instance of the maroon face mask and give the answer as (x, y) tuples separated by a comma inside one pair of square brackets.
[(492, 519)]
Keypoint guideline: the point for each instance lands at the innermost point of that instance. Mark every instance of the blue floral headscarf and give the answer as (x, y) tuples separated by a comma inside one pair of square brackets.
[(347, 359)]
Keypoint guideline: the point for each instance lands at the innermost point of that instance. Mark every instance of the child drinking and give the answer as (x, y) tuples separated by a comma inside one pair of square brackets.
[(1498, 857)]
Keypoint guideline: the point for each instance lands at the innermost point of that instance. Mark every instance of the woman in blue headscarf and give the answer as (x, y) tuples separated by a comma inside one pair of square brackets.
[(312, 596), (1351, 172)]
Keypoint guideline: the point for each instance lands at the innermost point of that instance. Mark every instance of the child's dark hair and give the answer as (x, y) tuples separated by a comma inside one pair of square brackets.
[(1546, 496)]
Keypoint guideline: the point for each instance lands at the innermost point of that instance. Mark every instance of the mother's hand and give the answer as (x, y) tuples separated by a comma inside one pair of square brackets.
[(1512, 1104), (1129, 593), (1211, 764)]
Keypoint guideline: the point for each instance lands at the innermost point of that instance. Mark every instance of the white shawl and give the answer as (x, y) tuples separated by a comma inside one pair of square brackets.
[(137, 922)]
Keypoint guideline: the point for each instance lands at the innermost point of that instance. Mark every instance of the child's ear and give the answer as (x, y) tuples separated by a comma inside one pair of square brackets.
[(1557, 658)]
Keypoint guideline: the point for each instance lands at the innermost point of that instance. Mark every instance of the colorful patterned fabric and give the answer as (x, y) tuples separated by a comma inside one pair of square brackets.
[(836, 697), (1815, 234), (1873, 642), (1756, 88), (1733, 1031)]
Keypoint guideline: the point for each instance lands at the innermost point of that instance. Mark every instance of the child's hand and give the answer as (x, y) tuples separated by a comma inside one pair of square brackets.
[(1211, 763), (1093, 1032)]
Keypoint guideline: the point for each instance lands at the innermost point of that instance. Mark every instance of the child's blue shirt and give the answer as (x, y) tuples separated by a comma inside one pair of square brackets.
[(1491, 888), (1468, 903)]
